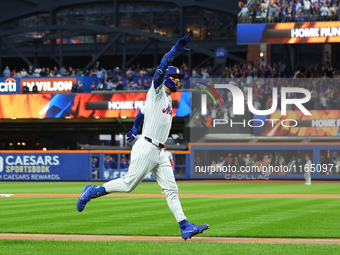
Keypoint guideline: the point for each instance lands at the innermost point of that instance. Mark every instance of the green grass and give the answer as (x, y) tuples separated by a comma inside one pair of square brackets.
[(231, 217), (124, 247), (184, 187), (246, 217)]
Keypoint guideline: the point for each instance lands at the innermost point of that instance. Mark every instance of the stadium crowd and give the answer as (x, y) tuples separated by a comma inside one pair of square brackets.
[(111, 79), (325, 92), (240, 70), (270, 11)]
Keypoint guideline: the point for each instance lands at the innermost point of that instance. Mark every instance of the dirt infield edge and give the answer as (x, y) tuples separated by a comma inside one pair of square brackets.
[(182, 195), (95, 238)]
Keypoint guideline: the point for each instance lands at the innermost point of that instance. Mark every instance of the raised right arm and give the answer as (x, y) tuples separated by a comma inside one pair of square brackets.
[(159, 75)]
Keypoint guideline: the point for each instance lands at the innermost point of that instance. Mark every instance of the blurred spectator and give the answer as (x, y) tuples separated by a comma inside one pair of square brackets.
[(306, 6), (110, 162), (221, 162), (100, 86), (62, 71), (197, 122), (266, 160), (30, 71), (135, 85), (114, 164), (264, 12), (117, 72), (74, 88), (146, 84), (80, 86), (252, 14), (87, 73), (308, 170), (195, 74), (37, 71), (248, 160), (324, 12), (124, 164), (120, 85), (23, 73), (198, 161), (103, 75), (271, 9), (129, 84), (73, 73), (139, 84), (244, 12), (110, 74), (95, 162), (68, 72), (110, 85), (279, 159), (56, 71), (236, 162), (229, 159), (213, 165), (25, 89), (93, 86), (129, 73), (205, 74), (48, 72), (35, 89), (43, 72), (7, 72)]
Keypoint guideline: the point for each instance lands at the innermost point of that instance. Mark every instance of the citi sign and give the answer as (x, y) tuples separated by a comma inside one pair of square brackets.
[(9, 85), (238, 102)]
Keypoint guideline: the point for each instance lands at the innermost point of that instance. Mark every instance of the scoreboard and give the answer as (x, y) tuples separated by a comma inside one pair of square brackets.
[(289, 32)]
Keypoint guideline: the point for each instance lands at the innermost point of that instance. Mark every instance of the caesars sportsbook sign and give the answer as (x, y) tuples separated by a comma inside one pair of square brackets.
[(49, 85), (43, 166)]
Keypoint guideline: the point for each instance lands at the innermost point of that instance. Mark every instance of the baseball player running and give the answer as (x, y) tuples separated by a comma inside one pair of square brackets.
[(147, 154), (308, 170)]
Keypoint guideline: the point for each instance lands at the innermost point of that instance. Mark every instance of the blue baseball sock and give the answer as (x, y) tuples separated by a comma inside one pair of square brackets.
[(98, 191), (183, 222)]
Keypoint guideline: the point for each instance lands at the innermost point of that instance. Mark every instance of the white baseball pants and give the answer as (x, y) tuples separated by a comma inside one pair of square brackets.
[(146, 157)]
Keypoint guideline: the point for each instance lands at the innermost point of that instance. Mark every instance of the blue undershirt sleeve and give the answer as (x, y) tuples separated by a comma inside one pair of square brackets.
[(159, 75), (139, 119)]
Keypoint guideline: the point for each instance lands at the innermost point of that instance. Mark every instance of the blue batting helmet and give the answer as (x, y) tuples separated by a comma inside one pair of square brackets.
[(174, 72)]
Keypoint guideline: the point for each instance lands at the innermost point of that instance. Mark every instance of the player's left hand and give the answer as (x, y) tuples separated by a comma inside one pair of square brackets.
[(131, 135), (180, 45)]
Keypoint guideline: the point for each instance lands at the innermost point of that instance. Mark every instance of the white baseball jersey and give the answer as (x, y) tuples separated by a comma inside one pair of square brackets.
[(157, 114), (308, 171), (168, 154)]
